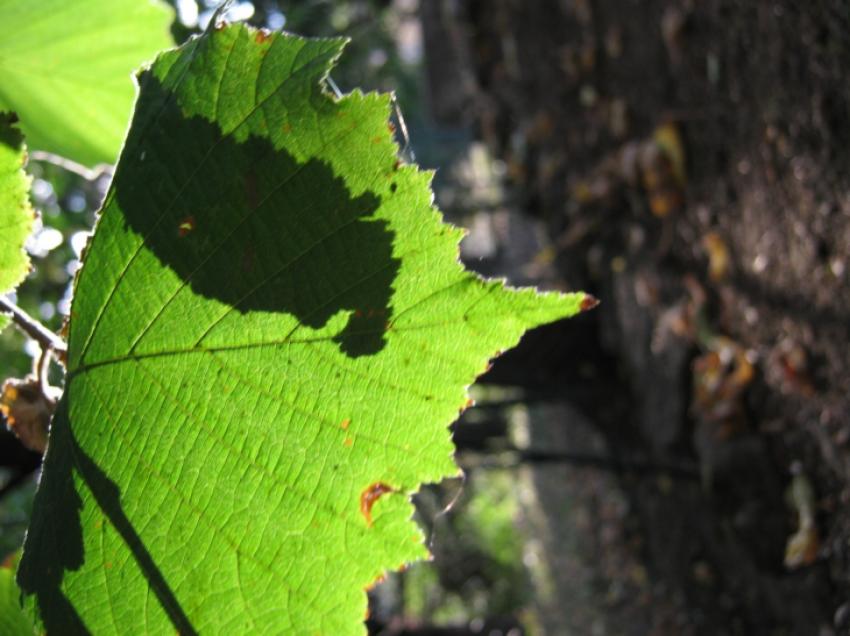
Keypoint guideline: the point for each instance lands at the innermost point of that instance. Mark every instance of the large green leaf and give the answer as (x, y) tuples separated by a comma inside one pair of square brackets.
[(13, 621), (16, 214), (269, 337), (66, 67)]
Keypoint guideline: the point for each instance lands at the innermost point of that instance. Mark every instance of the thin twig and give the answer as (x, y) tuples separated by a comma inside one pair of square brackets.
[(41, 369), (89, 174), (406, 149), (32, 327), (334, 87)]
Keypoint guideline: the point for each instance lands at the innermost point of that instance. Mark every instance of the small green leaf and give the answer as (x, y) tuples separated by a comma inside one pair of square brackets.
[(269, 337), (16, 214), (66, 67)]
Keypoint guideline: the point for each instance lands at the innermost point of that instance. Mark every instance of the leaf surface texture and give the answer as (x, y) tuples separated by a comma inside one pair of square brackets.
[(269, 337)]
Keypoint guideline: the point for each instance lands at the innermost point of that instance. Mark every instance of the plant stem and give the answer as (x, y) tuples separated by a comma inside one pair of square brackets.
[(88, 174), (32, 327)]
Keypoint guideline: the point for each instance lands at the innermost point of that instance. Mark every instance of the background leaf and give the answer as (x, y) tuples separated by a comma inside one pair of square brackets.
[(269, 337), (16, 214), (65, 67)]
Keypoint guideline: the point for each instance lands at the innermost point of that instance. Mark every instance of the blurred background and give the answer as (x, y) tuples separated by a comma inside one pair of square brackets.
[(675, 461)]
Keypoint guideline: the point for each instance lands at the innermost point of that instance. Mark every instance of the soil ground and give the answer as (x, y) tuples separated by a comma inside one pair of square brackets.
[(690, 166)]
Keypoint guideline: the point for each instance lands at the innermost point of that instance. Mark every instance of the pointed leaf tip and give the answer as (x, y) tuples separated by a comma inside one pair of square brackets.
[(589, 302)]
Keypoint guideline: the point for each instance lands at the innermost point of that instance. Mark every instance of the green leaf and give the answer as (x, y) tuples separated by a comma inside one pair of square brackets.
[(269, 337), (16, 214), (66, 66), (13, 621)]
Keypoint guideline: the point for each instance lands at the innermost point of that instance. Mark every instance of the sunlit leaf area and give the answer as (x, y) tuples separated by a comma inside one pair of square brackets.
[(385, 54)]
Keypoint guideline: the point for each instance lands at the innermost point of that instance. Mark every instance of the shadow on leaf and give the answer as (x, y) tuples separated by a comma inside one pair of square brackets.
[(56, 533), (246, 224)]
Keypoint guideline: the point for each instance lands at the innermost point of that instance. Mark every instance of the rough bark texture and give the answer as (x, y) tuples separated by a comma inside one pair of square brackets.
[(721, 343)]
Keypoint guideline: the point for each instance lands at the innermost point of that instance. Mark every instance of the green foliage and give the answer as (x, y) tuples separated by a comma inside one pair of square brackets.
[(268, 338), (478, 570), (16, 215), (65, 68), (13, 621)]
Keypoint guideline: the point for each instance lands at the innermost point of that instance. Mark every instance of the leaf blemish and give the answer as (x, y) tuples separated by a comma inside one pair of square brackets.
[(393, 186), (345, 424), (287, 127), (378, 580), (186, 225), (348, 442), (262, 35), (369, 496)]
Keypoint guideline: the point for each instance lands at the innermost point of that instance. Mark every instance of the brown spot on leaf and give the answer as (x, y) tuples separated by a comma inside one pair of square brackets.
[(369, 496), (186, 225), (345, 424), (377, 139), (287, 127), (589, 302), (262, 36), (378, 580), (348, 442), (391, 127)]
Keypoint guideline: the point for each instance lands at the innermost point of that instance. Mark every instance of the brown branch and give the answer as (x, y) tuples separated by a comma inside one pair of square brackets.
[(48, 340)]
